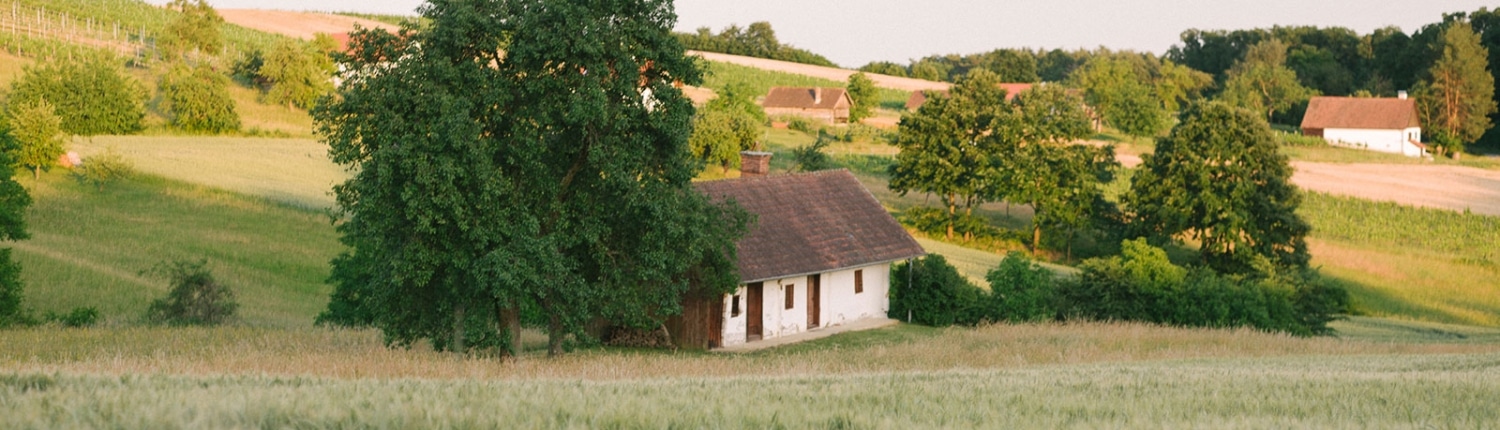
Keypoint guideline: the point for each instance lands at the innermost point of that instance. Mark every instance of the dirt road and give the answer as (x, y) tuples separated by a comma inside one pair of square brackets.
[(1445, 187), (302, 25)]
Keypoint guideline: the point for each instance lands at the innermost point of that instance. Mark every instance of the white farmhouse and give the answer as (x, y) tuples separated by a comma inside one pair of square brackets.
[(817, 255), (1376, 124)]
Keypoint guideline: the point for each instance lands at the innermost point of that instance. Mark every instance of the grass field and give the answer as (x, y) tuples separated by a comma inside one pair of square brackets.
[(294, 171), (88, 247), (1454, 391)]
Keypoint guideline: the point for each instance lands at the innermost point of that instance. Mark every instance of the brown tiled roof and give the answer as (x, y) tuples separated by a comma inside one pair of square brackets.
[(1360, 113), (1011, 91), (811, 223), (803, 98)]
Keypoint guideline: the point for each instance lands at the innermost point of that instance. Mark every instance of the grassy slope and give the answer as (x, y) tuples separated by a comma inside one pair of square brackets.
[(295, 171), (88, 247)]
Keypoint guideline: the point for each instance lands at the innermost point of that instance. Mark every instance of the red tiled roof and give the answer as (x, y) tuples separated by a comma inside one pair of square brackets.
[(1011, 91), (811, 223), (804, 98), (1360, 113)]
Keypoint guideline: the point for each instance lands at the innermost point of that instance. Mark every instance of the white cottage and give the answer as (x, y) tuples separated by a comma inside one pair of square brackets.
[(818, 255), (1376, 124)]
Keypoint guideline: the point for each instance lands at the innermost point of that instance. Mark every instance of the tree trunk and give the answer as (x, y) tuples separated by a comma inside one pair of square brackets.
[(1036, 238), (952, 211), (36, 173), (458, 346), (554, 336), (508, 318)]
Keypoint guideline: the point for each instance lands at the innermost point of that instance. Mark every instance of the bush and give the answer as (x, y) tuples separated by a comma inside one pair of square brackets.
[(811, 158), (196, 298), (104, 168), (92, 96), (1141, 284), (1020, 291), (798, 123), (971, 230), (197, 100), (1295, 139), (79, 317), (936, 295), (11, 312)]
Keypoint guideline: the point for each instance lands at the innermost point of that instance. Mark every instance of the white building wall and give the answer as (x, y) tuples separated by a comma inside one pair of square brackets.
[(839, 304), (1392, 141)]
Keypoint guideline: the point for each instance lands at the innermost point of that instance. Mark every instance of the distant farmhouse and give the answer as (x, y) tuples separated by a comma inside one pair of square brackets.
[(1377, 124), (818, 256), (825, 104), (918, 98)]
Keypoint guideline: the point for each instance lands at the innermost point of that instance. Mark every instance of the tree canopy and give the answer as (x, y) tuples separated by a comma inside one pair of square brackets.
[(91, 95), (38, 132), (1261, 82), (13, 203), (197, 27), (1219, 179), (197, 100), (298, 73), (1456, 97), (945, 144), (521, 156), (862, 91)]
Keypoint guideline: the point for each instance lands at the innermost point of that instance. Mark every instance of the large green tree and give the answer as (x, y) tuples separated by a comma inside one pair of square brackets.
[(1219, 179), (196, 28), (13, 203), (862, 91), (946, 145), (38, 132), (1043, 167), (92, 95), (197, 100), (1456, 98), (1122, 96), (521, 155), (1261, 82)]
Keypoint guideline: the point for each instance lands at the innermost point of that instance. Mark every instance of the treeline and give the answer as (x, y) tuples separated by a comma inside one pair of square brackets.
[(758, 40)]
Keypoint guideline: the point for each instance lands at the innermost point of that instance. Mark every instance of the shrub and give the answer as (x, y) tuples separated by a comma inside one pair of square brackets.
[(196, 298), (92, 96), (1141, 284), (936, 294), (78, 317), (11, 312), (1295, 139), (811, 158), (197, 100), (1020, 291), (104, 168)]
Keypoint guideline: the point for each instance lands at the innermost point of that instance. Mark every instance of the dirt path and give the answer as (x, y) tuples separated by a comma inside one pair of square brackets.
[(1444, 187), (837, 74), (302, 25)]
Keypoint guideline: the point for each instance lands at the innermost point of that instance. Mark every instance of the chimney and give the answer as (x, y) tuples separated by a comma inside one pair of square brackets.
[(1401, 95), (754, 163), (817, 95)]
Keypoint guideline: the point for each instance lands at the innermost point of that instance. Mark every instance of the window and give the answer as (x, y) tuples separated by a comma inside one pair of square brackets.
[(859, 281), (734, 306), (790, 288)]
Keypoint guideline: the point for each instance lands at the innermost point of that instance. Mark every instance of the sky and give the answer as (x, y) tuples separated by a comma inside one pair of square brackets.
[(855, 32)]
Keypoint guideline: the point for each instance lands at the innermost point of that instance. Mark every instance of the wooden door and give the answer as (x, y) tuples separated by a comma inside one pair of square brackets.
[(753, 301), (814, 299)]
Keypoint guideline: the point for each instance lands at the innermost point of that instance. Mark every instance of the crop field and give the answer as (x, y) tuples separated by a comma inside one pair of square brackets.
[(1084, 374)]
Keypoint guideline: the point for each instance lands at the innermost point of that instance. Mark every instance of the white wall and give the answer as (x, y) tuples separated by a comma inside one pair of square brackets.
[(1392, 141), (839, 304)]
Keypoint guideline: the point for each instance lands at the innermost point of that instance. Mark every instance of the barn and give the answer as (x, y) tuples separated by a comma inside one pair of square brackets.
[(1377, 124), (824, 104), (818, 255)]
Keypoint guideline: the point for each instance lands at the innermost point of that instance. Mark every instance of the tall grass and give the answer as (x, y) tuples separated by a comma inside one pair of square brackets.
[(292, 171), (88, 247), (318, 352), (1383, 391), (1402, 261)]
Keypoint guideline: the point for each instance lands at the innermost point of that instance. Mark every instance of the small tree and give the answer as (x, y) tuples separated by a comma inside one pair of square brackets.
[(719, 136), (811, 158), (1261, 82), (196, 298), (948, 143), (195, 28), (862, 91), (197, 100), (297, 74), (38, 130), (1020, 290)]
